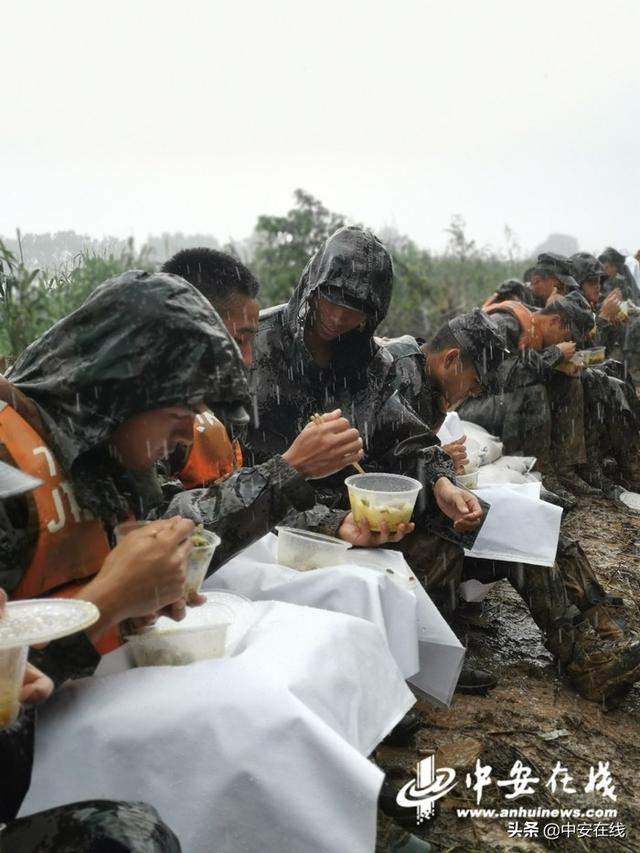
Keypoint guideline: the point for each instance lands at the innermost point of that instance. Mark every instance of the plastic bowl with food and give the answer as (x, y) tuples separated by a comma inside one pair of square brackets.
[(596, 355), (304, 550), (203, 634), (204, 546), (382, 499), (468, 481), (24, 624)]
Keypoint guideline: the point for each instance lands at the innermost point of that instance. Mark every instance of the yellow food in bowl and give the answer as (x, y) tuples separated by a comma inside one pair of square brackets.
[(391, 514)]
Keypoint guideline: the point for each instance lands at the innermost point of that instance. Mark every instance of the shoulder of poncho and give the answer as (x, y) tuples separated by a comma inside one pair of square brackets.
[(400, 347)]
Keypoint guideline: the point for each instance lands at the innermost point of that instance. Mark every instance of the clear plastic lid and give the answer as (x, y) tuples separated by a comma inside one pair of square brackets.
[(41, 620)]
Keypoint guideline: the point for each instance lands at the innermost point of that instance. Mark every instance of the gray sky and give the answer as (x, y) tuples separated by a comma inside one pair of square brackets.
[(138, 117)]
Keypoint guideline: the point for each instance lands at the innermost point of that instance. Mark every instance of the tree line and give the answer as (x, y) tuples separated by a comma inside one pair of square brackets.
[(45, 277)]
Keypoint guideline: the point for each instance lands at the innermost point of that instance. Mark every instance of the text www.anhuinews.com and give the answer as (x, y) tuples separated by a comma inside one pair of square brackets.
[(539, 812)]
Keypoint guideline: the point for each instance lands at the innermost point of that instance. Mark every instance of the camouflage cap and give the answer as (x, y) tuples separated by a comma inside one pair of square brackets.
[(578, 315), (586, 267), (558, 266), (481, 341)]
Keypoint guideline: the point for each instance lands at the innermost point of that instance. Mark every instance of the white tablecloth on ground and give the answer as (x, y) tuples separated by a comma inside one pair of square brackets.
[(265, 750), (425, 648)]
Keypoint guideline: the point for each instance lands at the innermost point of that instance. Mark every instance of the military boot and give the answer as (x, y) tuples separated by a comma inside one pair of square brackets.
[(593, 474), (607, 622), (600, 670), (629, 463), (553, 485), (390, 838), (575, 484)]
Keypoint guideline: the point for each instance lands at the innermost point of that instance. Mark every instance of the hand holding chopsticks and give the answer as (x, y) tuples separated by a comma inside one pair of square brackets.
[(316, 418)]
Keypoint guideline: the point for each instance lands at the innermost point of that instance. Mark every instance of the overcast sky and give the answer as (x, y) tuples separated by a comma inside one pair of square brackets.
[(138, 117)]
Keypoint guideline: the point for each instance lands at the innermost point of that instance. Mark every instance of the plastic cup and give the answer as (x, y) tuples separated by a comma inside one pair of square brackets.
[(469, 481), (473, 455), (304, 550), (12, 666), (198, 562), (382, 499), (121, 530), (27, 623)]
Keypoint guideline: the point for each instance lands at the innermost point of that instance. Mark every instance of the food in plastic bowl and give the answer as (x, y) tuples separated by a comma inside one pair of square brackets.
[(468, 481), (209, 631), (27, 623), (158, 647), (12, 666), (382, 499), (204, 546), (304, 550), (596, 355)]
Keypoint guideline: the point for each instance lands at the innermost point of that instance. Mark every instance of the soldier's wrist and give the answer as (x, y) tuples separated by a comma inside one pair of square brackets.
[(107, 600)]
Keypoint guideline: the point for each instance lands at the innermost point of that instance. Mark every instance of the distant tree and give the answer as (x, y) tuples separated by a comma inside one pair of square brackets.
[(284, 244), (458, 245)]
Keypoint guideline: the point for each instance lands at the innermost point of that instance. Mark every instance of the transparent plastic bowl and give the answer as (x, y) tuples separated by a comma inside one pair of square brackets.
[(473, 455), (209, 631), (198, 562), (303, 550), (178, 648), (12, 667), (382, 498), (469, 481), (26, 623), (596, 355)]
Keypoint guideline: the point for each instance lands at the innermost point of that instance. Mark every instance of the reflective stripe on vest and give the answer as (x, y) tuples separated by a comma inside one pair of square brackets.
[(71, 544), (530, 335), (212, 456)]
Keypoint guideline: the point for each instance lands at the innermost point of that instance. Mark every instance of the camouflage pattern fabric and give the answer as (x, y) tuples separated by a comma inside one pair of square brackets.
[(94, 826)]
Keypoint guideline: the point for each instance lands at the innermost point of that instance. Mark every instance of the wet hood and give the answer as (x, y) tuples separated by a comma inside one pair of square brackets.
[(141, 341), (352, 268)]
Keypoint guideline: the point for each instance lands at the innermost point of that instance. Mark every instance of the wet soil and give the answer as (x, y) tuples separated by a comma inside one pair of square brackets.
[(531, 699)]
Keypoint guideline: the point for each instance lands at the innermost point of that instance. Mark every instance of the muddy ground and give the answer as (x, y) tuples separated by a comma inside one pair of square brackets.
[(531, 699)]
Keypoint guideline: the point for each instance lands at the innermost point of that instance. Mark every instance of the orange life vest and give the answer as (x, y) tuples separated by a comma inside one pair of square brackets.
[(530, 334), (212, 455), (71, 545)]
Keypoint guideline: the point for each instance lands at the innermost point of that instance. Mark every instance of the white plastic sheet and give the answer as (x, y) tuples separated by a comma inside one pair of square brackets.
[(519, 527), (265, 750), (420, 640)]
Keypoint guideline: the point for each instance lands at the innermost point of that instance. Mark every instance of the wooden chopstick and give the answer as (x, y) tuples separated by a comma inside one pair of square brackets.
[(316, 418)]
